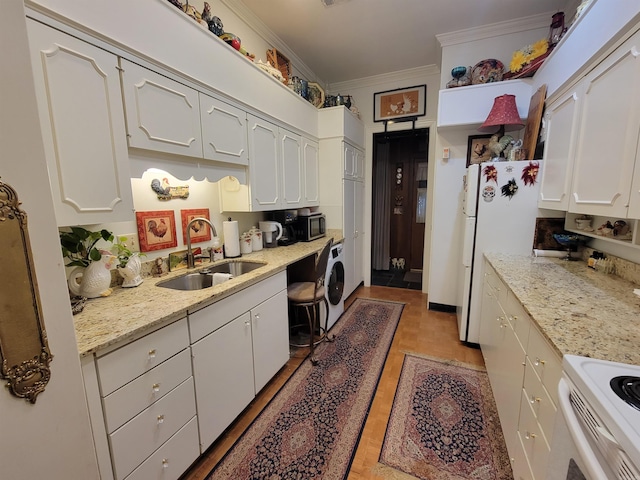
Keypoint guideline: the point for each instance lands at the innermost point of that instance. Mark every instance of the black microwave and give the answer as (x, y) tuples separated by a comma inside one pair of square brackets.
[(310, 227)]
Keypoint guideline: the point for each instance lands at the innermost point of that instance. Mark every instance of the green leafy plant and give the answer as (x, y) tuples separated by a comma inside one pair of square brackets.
[(79, 245), (121, 251)]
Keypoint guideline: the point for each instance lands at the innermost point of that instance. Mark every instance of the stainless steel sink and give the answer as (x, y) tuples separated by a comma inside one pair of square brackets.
[(206, 278)]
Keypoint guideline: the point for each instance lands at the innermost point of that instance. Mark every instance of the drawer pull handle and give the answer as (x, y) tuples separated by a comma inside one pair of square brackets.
[(152, 353), (530, 436), (160, 419), (257, 316), (165, 463), (156, 387), (539, 362), (535, 399)]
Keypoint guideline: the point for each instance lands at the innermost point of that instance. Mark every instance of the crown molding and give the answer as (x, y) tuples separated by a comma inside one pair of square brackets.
[(495, 29), (392, 77), (258, 26)]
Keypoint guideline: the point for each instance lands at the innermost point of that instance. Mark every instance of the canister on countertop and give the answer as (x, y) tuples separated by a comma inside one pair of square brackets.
[(245, 243)]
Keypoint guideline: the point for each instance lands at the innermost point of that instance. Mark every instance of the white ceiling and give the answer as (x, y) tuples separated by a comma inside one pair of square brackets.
[(360, 38)]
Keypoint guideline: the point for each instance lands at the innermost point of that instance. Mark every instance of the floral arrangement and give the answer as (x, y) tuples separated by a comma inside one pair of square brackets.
[(526, 55)]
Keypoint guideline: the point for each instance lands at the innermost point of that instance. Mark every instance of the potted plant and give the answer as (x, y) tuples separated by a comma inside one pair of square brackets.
[(129, 264), (92, 276)]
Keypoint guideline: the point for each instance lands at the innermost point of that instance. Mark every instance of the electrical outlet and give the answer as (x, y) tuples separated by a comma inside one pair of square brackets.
[(130, 240)]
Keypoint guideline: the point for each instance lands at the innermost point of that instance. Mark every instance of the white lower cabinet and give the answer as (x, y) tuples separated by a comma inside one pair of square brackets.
[(524, 373), (159, 401), (148, 400), (239, 344)]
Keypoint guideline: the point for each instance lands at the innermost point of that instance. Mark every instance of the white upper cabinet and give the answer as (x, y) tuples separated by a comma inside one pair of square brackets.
[(162, 114), (292, 169), (561, 120), (608, 134), (264, 165), (311, 159), (82, 122), (224, 131)]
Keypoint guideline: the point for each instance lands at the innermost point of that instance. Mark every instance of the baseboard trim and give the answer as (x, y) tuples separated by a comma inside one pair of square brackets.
[(441, 307)]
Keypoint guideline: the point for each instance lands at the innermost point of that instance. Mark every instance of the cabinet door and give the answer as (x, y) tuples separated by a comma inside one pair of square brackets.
[(292, 169), (561, 118), (82, 121), (348, 229), (349, 160), (359, 164), (222, 392), (608, 135), (264, 168), (358, 233), (311, 165), (634, 198), (162, 115), (224, 131), (270, 332)]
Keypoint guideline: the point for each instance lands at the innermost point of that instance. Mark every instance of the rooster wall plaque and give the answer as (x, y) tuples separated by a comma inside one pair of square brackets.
[(166, 191)]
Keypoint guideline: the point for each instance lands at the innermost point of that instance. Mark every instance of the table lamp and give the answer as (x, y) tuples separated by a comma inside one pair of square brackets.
[(502, 118)]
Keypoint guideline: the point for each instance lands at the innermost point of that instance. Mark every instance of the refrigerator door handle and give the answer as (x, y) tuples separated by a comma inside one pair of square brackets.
[(468, 239)]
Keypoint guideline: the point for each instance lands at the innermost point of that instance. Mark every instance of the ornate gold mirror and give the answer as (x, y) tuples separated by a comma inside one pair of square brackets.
[(24, 350)]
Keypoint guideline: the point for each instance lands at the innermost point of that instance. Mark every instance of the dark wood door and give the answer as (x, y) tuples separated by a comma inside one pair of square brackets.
[(406, 165)]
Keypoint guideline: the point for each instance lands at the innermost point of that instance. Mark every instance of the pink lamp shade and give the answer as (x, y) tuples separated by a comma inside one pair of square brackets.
[(504, 113)]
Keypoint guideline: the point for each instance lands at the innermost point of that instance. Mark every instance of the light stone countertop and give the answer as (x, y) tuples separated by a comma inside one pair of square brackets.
[(580, 311), (130, 312)]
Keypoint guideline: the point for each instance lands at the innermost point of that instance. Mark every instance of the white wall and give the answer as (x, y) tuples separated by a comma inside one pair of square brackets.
[(462, 49), (362, 92), (51, 438)]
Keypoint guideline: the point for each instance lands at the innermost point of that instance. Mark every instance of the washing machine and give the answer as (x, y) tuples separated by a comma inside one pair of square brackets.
[(334, 284)]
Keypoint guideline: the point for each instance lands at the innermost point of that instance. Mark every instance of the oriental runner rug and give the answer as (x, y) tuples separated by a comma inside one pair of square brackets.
[(311, 428), (444, 425)]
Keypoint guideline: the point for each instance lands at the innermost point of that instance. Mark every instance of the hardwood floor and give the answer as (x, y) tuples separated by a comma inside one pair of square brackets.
[(420, 330)]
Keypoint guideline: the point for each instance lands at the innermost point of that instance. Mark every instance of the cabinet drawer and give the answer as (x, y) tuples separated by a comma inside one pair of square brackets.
[(518, 318), (129, 400), (171, 460), (206, 320), (543, 407), (132, 443), (535, 445), (123, 365), (496, 284), (545, 362), (519, 462)]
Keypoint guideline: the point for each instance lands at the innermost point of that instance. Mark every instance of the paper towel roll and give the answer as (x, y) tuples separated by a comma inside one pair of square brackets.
[(549, 253), (231, 239)]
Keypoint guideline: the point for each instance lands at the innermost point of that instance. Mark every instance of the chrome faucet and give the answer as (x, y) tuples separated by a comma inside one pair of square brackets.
[(191, 262)]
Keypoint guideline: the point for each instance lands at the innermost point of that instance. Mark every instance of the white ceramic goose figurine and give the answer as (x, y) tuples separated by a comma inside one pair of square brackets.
[(94, 280)]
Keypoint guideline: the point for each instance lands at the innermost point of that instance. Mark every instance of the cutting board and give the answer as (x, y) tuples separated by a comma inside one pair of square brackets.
[(532, 128)]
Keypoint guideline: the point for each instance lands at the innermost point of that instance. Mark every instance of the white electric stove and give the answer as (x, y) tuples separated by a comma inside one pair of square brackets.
[(605, 397)]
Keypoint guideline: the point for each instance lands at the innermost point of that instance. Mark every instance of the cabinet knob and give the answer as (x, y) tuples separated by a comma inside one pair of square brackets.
[(155, 387), (247, 323), (538, 362), (257, 316), (152, 353), (530, 436), (535, 399), (165, 463), (160, 419)]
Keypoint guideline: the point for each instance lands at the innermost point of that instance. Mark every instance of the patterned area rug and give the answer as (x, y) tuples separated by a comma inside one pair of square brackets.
[(443, 425), (311, 428)]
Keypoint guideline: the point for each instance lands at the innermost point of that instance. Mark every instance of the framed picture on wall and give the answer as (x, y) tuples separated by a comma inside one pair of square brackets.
[(399, 104), (156, 230), (200, 231), (478, 149)]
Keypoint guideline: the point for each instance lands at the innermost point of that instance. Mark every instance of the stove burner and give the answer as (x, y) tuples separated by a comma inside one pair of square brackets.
[(628, 389)]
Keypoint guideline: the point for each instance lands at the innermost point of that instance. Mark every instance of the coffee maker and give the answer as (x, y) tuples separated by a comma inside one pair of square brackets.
[(286, 218)]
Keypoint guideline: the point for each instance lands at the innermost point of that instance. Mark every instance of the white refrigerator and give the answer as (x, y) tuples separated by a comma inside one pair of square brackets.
[(499, 210)]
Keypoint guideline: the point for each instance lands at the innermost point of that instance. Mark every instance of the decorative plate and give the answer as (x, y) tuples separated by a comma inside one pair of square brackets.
[(316, 94), (487, 71)]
